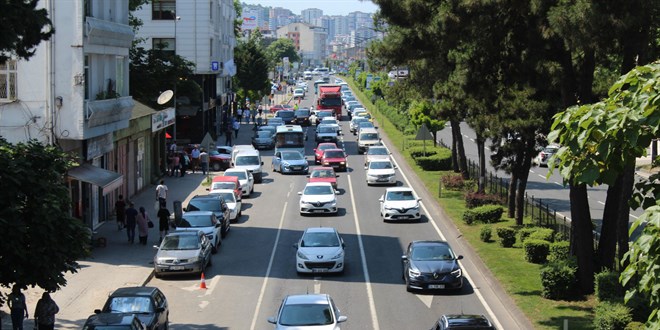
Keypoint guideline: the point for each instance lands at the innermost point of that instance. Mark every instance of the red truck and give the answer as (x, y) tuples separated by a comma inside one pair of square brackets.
[(329, 99)]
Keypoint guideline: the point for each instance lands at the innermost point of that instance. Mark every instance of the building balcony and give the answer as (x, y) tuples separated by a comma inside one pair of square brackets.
[(109, 115)]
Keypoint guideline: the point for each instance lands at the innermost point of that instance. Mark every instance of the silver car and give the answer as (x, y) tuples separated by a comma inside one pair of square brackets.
[(182, 252), (376, 153), (308, 311)]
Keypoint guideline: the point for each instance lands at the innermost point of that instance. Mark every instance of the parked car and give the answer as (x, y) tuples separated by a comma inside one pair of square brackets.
[(376, 152), (462, 322), (289, 162), (183, 252), (323, 174), (118, 321), (218, 161), (234, 205), (204, 221), (335, 158), (380, 172), (318, 198), (221, 182), (308, 311), (399, 203), (278, 107), (320, 148), (544, 155), (431, 265), (320, 250), (263, 139), (213, 203), (148, 303), (268, 128), (250, 160), (244, 177)]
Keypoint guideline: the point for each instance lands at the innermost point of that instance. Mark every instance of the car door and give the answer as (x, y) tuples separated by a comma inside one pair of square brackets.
[(206, 249), (161, 303), (277, 159)]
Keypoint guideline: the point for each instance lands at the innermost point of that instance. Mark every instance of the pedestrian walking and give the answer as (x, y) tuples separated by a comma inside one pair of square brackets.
[(229, 133), (247, 115), (185, 162), (18, 307), (254, 115), (236, 125), (163, 222), (161, 193), (120, 212), (239, 114), (173, 146), (44, 314), (194, 154), (176, 165), (143, 225), (131, 222), (204, 161)]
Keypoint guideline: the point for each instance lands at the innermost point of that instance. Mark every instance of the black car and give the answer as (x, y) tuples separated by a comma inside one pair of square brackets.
[(263, 139), (114, 321), (148, 303), (463, 322), (431, 265), (215, 204), (286, 115), (301, 117)]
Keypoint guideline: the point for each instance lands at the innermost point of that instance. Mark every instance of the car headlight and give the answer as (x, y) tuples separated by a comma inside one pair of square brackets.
[(342, 163), (339, 255), (326, 163), (302, 255), (457, 273), (193, 259), (413, 272), (286, 165)]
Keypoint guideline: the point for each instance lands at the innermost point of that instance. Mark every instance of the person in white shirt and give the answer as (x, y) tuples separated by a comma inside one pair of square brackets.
[(161, 193)]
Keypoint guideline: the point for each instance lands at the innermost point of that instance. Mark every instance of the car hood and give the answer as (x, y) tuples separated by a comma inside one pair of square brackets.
[(401, 204), (435, 266), (148, 319), (386, 171), (330, 180), (250, 168), (377, 157), (334, 159), (178, 254), (295, 162), (313, 253), (206, 230), (307, 327), (317, 198)]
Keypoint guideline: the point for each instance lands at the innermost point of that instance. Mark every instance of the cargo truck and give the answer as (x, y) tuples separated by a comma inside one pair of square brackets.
[(329, 99)]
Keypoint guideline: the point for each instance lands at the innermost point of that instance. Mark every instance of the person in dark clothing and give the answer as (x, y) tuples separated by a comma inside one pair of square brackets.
[(185, 162), (131, 222), (18, 307), (229, 133), (163, 221), (120, 211), (45, 312)]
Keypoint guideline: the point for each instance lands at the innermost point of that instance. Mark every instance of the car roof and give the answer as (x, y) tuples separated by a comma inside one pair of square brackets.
[(234, 170), (207, 196), (368, 130), (134, 291), (318, 184), (321, 299), (465, 320), (320, 230), (334, 149)]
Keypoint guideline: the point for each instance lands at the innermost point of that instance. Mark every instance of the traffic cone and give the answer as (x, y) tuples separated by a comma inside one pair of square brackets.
[(203, 284)]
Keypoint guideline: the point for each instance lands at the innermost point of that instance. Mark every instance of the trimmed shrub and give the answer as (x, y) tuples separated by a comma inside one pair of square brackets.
[(544, 234), (488, 213), (607, 286), (438, 162), (611, 316), (635, 326), (523, 233), (559, 280), (452, 181), (468, 217), (559, 250), (507, 236), (536, 250), (473, 200), (416, 152), (485, 234)]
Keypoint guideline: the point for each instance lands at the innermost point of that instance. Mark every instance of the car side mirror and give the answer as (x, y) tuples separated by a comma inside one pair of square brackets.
[(300, 193), (459, 257), (366, 168), (404, 257), (156, 247), (336, 192), (419, 199), (342, 318), (271, 320), (97, 311), (381, 199)]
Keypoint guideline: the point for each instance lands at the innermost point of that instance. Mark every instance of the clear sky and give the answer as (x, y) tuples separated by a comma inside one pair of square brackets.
[(329, 7)]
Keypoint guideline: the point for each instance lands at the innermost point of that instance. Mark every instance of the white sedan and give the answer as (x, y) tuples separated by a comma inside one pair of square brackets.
[(320, 250), (399, 203), (380, 171), (233, 204), (298, 93), (318, 198), (245, 178)]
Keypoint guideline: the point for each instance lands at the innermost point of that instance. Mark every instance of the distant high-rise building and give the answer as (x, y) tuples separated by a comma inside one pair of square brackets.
[(310, 15)]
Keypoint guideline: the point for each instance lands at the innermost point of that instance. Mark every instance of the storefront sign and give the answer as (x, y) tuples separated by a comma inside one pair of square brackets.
[(162, 119), (98, 146)]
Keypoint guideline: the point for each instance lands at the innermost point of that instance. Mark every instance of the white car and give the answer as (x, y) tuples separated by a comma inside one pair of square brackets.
[(298, 93), (318, 198), (543, 158), (234, 205), (204, 221), (399, 203), (376, 153), (380, 171), (245, 178), (308, 311), (320, 250), (331, 121)]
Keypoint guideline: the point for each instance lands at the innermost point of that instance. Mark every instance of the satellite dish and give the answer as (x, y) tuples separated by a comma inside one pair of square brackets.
[(165, 97)]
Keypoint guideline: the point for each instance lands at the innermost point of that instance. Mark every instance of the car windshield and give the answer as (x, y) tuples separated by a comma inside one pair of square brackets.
[(239, 175), (358, 120), (319, 240), (302, 113), (318, 190), (377, 151), (292, 155), (365, 124), (264, 134), (380, 165), (322, 174), (329, 121), (285, 114), (327, 146), (298, 91), (432, 252), (334, 154), (400, 196), (369, 136), (247, 160), (196, 221), (306, 314), (227, 196), (326, 129), (130, 305), (223, 185), (322, 114), (204, 205), (180, 242)]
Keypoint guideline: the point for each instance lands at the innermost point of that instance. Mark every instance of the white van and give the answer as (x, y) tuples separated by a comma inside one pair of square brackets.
[(366, 138), (249, 159)]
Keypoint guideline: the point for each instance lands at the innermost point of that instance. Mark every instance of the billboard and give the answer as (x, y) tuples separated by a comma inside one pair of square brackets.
[(249, 20)]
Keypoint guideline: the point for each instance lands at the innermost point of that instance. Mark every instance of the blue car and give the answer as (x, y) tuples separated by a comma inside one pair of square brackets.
[(290, 162)]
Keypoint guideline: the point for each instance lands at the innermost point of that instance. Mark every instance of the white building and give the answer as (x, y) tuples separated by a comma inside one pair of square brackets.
[(310, 15), (74, 93), (310, 42)]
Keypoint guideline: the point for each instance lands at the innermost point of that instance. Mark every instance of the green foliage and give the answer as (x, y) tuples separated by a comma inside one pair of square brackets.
[(423, 113), (536, 250), (559, 280), (545, 234), (280, 48), (24, 28), (523, 233), (438, 162), (486, 234), (559, 250), (475, 199), (607, 286), (635, 326), (453, 182), (483, 214), (611, 316), (507, 236), (252, 68), (427, 151), (398, 118), (41, 241)]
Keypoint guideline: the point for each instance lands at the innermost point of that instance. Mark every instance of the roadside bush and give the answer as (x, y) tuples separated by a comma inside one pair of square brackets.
[(536, 250), (507, 236), (438, 162), (559, 280), (635, 326), (487, 213), (607, 286), (416, 152), (559, 250), (545, 234), (473, 200), (452, 181), (485, 234), (523, 233), (469, 217), (611, 316)]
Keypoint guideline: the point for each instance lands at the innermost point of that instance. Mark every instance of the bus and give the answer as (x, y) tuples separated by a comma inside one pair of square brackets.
[(290, 137)]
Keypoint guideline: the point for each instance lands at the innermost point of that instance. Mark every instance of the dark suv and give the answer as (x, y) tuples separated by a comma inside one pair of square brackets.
[(301, 117), (148, 303), (463, 321), (215, 204)]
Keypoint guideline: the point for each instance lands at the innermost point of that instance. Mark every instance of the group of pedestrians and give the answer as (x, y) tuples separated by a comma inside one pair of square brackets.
[(180, 162), (130, 218), (44, 313)]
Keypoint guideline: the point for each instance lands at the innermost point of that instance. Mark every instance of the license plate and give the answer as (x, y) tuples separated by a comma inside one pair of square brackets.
[(382, 180), (295, 168), (176, 267), (404, 217), (317, 211), (319, 270), (436, 286)]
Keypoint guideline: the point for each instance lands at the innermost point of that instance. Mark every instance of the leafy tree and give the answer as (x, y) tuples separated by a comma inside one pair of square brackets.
[(41, 240), (282, 48), (23, 28), (421, 113), (252, 68)]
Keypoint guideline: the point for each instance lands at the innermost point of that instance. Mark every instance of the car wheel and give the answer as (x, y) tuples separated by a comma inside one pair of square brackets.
[(216, 166), (214, 249), (408, 288), (157, 275), (224, 232)]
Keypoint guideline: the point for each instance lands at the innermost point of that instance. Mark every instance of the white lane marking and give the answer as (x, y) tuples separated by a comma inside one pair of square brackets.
[(472, 140), (531, 171), (203, 304), (426, 299), (365, 269), (270, 266), (212, 285), (477, 291), (317, 285), (542, 176), (601, 203), (559, 184)]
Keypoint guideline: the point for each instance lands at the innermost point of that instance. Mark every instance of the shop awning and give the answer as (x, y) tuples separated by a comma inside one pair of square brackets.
[(106, 180)]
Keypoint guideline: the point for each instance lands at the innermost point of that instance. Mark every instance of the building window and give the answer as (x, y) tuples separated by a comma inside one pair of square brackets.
[(8, 80), (163, 9), (166, 45)]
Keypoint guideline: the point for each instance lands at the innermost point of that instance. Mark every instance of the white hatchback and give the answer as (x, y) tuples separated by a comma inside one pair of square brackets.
[(234, 205), (380, 171), (245, 178), (399, 203), (318, 198), (320, 250)]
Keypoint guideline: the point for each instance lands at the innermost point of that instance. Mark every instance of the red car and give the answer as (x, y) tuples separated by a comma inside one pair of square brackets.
[(218, 161), (278, 107), (318, 152), (323, 174), (335, 158), (227, 182)]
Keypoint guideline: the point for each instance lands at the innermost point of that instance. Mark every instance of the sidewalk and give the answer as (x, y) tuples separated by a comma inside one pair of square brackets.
[(120, 263)]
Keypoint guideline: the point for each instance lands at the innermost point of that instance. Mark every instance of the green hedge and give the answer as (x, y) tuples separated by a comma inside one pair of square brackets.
[(545, 234), (536, 250), (416, 152), (607, 286), (559, 250), (507, 236), (611, 316), (559, 280), (486, 234), (523, 233), (438, 162), (484, 214)]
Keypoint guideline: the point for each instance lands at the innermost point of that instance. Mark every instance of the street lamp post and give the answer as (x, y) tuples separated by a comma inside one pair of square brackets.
[(176, 79)]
